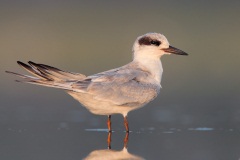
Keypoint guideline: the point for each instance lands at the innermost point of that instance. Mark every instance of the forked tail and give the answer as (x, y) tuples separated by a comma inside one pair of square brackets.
[(47, 76)]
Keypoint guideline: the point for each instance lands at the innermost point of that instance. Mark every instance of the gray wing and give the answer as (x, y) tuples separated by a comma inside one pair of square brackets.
[(119, 86)]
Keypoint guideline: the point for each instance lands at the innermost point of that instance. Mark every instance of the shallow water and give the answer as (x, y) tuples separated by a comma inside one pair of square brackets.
[(196, 116), (72, 141)]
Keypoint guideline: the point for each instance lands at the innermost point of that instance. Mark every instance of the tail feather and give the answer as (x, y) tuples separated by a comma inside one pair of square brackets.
[(32, 70), (47, 76), (46, 83), (43, 71), (56, 73), (22, 76)]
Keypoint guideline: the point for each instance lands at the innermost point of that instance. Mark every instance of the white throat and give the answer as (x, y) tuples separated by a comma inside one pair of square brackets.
[(149, 62)]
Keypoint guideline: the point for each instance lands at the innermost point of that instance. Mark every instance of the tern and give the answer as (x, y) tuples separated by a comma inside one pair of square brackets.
[(116, 91)]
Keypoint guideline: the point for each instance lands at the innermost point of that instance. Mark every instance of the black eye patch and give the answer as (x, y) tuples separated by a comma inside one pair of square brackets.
[(155, 42), (148, 41)]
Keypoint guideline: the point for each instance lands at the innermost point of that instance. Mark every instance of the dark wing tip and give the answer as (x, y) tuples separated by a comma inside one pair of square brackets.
[(8, 72), (11, 72), (20, 63), (24, 65), (38, 65), (30, 62)]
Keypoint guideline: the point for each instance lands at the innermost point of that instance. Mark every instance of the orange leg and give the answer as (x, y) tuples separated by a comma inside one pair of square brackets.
[(109, 139), (126, 124), (109, 124), (126, 139)]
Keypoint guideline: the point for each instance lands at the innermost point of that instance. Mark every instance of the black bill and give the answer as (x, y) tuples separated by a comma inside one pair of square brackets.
[(174, 50)]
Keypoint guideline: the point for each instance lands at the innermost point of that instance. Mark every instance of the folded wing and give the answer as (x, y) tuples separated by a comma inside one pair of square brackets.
[(118, 86)]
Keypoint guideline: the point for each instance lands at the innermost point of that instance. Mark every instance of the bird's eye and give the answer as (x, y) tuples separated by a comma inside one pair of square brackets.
[(156, 43)]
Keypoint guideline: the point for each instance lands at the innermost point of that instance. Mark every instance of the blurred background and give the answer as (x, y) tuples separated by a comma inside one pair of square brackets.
[(200, 90)]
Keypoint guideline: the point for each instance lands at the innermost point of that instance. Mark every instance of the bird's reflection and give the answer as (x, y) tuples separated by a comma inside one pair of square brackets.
[(108, 154), (109, 140)]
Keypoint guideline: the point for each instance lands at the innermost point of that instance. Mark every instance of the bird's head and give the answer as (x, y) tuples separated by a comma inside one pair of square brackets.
[(154, 45)]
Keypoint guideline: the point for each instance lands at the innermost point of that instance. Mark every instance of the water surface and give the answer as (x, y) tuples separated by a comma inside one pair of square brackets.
[(72, 141)]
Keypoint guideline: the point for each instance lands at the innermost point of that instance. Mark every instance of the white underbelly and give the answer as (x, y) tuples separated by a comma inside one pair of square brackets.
[(101, 107)]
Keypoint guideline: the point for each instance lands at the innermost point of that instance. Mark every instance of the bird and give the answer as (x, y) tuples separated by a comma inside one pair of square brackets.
[(116, 91)]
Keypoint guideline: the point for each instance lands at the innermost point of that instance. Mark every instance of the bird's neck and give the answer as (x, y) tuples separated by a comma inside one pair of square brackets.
[(151, 64)]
